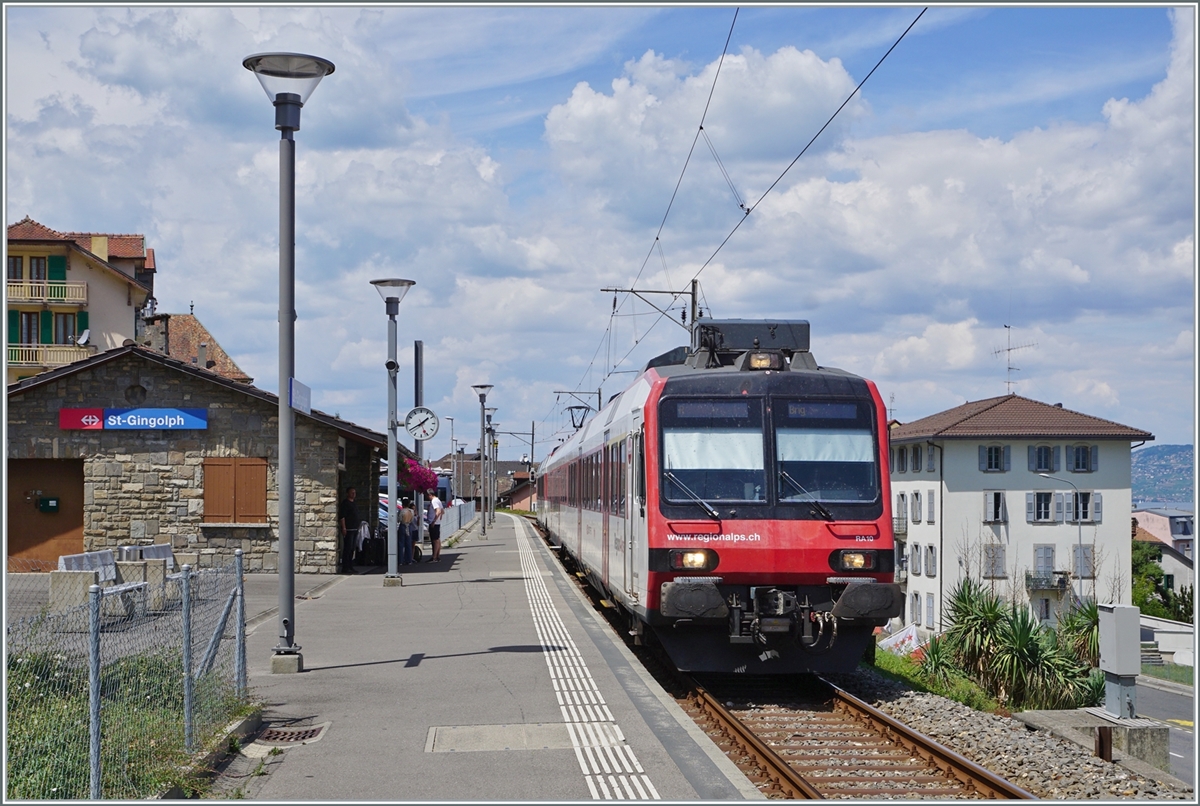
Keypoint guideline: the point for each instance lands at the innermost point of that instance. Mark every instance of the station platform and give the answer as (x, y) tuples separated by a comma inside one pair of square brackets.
[(484, 677)]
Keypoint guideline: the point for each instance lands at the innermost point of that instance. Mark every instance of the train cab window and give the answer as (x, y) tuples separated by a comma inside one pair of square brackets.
[(712, 450), (825, 451)]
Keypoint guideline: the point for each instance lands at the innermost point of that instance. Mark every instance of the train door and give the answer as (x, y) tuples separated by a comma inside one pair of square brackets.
[(605, 505), (635, 509), (580, 488)]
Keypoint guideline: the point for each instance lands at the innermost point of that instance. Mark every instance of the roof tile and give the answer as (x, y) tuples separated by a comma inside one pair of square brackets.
[(1015, 417)]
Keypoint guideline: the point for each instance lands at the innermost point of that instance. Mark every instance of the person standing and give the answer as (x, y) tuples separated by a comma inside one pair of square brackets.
[(348, 520), (433, 518), (404, 534)]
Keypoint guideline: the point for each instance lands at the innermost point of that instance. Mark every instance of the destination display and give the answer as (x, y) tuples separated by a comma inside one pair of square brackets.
[(133, 419)]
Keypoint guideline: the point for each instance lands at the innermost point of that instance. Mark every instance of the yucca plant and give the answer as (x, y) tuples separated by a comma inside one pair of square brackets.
[(975, 616), (1080, 629), (937, 662)]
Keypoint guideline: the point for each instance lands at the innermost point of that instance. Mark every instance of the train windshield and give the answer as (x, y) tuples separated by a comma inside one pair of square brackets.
[(713, 450), (825, 452)]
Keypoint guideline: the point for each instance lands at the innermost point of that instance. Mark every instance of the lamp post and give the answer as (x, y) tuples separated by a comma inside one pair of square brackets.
[(482, 390), (491, 466), (392, 290), (288, 79), (453, 478), (1079, 532)]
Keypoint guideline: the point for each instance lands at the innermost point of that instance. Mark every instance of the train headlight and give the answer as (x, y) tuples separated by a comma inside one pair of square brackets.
[(766, 361), (692, 560), (848, 560)]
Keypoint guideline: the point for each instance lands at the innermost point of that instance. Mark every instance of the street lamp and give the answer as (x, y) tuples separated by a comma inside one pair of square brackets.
[(482, 390), (1079, 529), (491, 466), (288, 79), (392, 290), (453, 478)]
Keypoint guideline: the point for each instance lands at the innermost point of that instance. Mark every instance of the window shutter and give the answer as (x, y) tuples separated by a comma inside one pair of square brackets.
[(218, 490), (1095, 458), (1057, 452), (250, 490), (932, 508), (1029, 513), (47, 328), (1003, 508), (931, 561), (1007, 458), (14, 327), (57, 268), (1096, 504), (1058, 507), (982, 458), (916, 507), (1032, 459)]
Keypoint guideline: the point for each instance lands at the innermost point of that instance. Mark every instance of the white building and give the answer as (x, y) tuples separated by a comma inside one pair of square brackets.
[(1173, 526), (970, 500)]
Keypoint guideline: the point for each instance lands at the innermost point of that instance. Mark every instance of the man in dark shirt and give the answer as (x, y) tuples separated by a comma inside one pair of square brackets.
[(348, 521)]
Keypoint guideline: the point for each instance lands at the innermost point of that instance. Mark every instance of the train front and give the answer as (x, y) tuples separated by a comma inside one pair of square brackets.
[(770, 542)]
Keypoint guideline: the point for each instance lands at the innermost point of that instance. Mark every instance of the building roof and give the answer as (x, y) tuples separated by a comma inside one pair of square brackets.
[(125, 246), (345, 428), (184, 335), (1142, 536), (30, 231), (1014, 416), (1166, 512)]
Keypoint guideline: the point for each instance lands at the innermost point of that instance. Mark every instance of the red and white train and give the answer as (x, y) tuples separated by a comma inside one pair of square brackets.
[(734, 501)]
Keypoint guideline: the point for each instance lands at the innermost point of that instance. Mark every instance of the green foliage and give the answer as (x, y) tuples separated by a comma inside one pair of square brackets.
[(1092, 690), (1182, 606), (937, 662), (956, 686), (975, 615), (1080, 628), (1173, 672)]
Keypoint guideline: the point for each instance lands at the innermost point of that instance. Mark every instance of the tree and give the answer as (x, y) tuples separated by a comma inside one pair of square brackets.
[(1149, 595)]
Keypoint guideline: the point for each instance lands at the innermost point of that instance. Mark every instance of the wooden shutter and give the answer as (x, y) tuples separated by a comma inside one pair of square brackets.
[(218, 490), (47, 328), (1032, 450), (1095, 458), (57, 268), (983, 458), (1057, 453), (1007, 458), (1059, 507), (1030, 512), (1096, 507), (931, 507), (1003, 507), (250, 490), (81, 322), (14, 327)]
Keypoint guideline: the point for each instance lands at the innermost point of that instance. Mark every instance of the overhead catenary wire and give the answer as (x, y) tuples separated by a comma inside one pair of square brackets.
[(772, 186)]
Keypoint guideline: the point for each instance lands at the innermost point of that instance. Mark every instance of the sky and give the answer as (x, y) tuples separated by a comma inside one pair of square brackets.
[(1007, 176)]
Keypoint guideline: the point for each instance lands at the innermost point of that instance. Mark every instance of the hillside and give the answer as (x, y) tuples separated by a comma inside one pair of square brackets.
[(1163, 473)]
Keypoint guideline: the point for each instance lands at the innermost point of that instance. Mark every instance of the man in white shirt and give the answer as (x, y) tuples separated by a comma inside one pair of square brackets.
[(433, 518)]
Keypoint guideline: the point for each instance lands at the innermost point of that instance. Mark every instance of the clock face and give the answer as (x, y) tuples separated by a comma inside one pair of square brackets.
[(422, 423)]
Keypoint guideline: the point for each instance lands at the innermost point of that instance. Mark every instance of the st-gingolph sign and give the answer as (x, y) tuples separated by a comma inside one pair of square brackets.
[(133, 419)]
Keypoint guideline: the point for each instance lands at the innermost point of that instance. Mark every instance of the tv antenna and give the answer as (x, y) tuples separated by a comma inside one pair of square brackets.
[(1008, 351)]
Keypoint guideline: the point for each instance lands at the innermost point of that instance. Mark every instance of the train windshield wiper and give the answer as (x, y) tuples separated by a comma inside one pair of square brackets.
[(707, 507), (820, 508)]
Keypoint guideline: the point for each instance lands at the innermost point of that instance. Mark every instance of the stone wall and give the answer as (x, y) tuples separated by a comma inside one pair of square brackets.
[(145, 487)]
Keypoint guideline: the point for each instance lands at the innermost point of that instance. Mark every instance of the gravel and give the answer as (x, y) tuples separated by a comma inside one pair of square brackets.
[(1039, 762)]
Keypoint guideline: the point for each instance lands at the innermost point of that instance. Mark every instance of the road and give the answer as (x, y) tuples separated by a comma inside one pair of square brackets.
[(1174, 710)]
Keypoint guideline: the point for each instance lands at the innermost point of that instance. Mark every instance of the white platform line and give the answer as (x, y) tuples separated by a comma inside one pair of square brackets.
[(599, 744)]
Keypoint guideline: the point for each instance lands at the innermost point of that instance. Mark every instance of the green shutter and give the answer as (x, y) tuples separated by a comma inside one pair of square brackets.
[(57, 268), (81, 322), (47, 335), (14, 327)]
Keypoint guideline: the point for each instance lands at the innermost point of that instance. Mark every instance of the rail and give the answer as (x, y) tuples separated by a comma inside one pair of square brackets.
[(45, 355), (47, 291)]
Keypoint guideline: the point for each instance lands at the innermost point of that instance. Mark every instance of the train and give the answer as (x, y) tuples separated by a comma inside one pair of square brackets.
[(734, 503)]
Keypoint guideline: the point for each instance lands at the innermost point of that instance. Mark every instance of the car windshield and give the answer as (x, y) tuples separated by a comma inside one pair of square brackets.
[(825, 451), (713, 450)]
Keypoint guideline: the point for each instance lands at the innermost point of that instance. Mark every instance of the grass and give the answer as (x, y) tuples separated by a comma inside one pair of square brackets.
[(956, 687), (1172, 672)]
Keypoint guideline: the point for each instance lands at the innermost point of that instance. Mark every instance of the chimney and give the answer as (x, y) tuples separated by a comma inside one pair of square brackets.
[(100, 246), (202, 355)]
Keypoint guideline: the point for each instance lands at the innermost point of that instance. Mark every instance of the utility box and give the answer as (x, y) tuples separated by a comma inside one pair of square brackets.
[(47, 504), (1120, 640)]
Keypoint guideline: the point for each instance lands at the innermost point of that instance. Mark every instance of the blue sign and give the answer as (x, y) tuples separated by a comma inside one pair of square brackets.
[(155, 419)]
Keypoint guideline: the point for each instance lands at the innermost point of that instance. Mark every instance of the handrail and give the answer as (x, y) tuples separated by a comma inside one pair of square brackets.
[(47, 291), (45, 355)]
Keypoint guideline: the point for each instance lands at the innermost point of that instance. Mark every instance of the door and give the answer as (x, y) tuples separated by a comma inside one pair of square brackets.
[(34, 534), (606, 489), (635, 509)]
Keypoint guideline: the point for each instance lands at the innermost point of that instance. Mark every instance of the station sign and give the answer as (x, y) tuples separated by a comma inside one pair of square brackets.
[(133, 419)]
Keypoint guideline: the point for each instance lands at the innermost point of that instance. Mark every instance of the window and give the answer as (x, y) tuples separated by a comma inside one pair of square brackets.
[(1043, 561), (235, 490), (932, 508), (1169, 581), (37, 268), (929, 460), (1043, 608), (929, 610), (711, 449), (914, 564), (1085, 564), (1043, 507), (902, 460), (916, 609), (994, 508), (1083, 507), (995, 458), (916, 507), (917, 458), (1083, 458), (16, 267), (1044, 459), (993, 561), (29, 327), (64, 328), (930, 561), (826, 451)]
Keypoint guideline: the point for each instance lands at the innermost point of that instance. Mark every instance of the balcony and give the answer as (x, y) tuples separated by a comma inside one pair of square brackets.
[(56, 293), (899, 526), (1056, 581), (45, 355)]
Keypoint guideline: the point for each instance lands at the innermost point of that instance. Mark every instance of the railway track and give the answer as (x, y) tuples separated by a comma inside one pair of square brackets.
[(806, 738)]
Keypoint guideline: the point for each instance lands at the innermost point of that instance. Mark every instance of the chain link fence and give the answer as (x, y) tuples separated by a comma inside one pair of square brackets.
[(113, 697)]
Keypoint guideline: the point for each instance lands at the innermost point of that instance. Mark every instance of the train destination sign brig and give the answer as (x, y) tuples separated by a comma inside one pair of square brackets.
[(133, 419)]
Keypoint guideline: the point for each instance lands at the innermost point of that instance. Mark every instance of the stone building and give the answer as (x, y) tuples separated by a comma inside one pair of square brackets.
[(132, 447)]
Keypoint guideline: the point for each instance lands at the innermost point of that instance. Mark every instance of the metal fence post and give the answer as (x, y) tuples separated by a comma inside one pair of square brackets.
[(188, 727), (94, 690), (239, 649)]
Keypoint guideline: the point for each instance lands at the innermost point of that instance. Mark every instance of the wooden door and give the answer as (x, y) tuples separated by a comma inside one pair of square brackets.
[(36, 535)]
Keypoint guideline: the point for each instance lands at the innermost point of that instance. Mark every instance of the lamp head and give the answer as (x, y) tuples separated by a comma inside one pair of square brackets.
[(392, 366), (292, 73), (482, 390), (393, 288)]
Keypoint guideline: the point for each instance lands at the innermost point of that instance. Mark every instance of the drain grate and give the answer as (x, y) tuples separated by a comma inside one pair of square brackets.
[(292, 735)]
